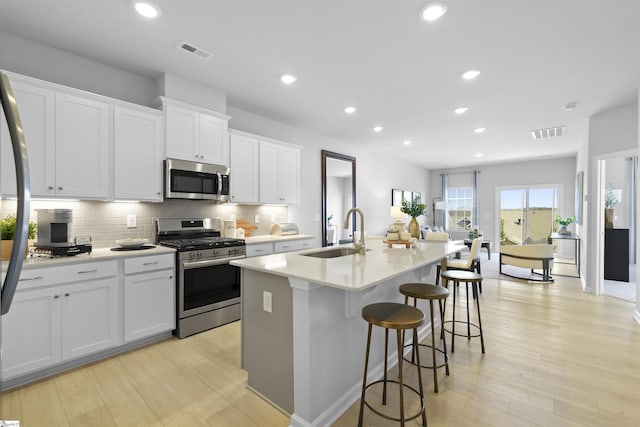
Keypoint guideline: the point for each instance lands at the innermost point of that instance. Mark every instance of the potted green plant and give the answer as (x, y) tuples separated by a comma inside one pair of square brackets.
[(8, 231), (611, 198), (414, 208), (564, 222)]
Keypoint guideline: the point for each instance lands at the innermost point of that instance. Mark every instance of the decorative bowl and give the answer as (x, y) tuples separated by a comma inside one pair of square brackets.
[(131, 243)]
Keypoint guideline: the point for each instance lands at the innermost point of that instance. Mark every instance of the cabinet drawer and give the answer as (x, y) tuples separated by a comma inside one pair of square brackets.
[(292, 245), (38, 277), (148, 263), (259, 249)]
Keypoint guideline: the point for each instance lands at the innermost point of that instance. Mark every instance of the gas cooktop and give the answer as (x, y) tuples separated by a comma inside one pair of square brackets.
[(202, 243)]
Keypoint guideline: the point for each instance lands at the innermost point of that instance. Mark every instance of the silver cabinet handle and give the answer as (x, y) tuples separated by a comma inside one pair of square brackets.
[(31, 278), (151, 263), (59, 188), (95, 270), (50, 187), (56, 296), (66, 294)]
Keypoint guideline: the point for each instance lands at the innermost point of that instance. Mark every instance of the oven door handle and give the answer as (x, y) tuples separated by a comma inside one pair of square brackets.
[(207, 263)]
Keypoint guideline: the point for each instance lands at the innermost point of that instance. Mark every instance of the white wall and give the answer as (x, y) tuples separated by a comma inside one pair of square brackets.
[(611, 131), (551, 171)]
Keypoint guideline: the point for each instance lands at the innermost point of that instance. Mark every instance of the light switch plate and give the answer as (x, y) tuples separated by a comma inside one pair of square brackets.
[(131, 221), (256, 219)]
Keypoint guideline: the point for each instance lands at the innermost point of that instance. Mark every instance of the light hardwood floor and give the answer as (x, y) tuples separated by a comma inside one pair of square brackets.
[(554, 357)]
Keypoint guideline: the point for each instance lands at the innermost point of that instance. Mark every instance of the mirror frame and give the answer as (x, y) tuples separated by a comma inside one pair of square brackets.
[(337, 156)]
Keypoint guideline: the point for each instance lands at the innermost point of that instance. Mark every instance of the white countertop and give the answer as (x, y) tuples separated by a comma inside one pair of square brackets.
[(102, 254), (352, 272), (269, 238)]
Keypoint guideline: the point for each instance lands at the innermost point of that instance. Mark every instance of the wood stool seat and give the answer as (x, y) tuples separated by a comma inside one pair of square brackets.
[(468, 277), (430, 293), (400, 317)]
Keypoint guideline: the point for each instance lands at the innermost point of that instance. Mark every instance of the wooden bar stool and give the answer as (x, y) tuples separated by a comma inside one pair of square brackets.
[(430, 293), (389, 315), (457, 276)]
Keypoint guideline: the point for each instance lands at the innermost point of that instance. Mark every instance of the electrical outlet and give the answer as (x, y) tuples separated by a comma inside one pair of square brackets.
[(267, 301), (273, 218), (256, 219), (131, 221)]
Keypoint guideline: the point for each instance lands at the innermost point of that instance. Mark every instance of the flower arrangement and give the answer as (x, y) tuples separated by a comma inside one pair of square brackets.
[(565, 221), (413, 208), (611, 197), (8, 228)]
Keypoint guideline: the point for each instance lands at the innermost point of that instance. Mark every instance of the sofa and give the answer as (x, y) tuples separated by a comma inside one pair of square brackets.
[(536, 256)]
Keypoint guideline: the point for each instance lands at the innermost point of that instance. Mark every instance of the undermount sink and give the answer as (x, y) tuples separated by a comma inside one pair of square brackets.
[(333, 253)]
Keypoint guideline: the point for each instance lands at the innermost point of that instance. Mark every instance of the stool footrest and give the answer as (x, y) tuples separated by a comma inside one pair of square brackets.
[(422, 404), (464, 322), (438, 365)]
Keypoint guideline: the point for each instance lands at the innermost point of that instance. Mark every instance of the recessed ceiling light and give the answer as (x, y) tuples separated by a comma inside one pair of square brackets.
[(461, 110), (433, 11), (146, 9), (350, 110), (377, 128), (406, 142), (479, 130), (471, 74), (570, 106), (478, 154), (288, 79)]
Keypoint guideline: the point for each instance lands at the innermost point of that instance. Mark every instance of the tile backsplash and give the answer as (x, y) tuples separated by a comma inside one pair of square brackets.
[(106, 222)]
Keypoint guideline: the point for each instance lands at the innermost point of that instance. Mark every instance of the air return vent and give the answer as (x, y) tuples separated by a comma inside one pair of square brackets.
[(189, 48), (548, 132)]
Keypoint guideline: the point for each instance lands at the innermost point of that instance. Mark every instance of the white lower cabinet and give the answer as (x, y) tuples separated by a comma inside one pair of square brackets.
[(55, 323), (149, 296), (292, 245)]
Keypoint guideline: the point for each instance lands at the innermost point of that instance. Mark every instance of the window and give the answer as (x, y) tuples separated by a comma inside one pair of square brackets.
[(460, 208)]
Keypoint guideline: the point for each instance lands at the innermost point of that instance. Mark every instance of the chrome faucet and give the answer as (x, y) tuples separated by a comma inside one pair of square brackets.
[(357, 245)]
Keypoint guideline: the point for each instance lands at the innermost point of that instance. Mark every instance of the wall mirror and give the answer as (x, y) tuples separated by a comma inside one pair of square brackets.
[(338, 196)]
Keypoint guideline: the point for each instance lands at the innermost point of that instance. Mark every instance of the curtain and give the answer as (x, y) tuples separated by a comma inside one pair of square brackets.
[(445, 184), (475, 220)]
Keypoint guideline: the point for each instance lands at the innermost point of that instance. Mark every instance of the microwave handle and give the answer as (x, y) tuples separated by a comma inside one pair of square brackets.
[(219, 184)]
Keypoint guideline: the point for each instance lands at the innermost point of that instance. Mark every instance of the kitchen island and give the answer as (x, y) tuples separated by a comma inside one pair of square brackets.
[(303, 338)]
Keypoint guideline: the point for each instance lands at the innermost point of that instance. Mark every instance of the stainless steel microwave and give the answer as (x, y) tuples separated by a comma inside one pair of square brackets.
[(192, 180)]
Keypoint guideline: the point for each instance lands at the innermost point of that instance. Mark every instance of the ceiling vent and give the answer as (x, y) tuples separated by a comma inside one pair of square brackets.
[(548, 132), (189, 48)]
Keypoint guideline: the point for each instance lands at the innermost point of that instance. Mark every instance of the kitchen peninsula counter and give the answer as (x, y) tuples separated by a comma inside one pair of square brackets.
[(303, 337)]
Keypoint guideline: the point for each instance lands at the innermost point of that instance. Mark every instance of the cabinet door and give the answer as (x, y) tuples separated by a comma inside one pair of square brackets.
[(31, 332), (82, 147), (244, 169), (269, 173), (149, 304), (182, 133), (36, 107), (213, 140), (89, 317), (288, 174), (137, 155)]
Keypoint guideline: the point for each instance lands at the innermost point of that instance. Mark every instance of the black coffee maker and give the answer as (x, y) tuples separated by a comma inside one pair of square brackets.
[(54, 234)]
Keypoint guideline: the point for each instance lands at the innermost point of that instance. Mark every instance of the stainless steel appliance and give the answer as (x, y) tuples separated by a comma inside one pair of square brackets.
[(54, 234), (24, 197), (208, 287), (192, 180)]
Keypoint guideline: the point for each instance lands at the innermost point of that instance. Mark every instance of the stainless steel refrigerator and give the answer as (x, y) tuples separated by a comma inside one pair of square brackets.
[(12, 270)]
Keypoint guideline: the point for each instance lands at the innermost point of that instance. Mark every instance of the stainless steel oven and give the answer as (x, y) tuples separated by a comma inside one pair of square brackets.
[(207, 286)]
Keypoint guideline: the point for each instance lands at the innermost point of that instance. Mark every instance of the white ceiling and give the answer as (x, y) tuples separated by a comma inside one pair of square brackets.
[(399, 71)]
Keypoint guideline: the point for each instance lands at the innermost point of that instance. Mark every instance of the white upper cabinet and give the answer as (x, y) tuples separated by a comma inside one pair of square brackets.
[(279, 173), (195, 134), (138, 153), (68, 141), (36, 107), (82, 148), (243, 150)]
